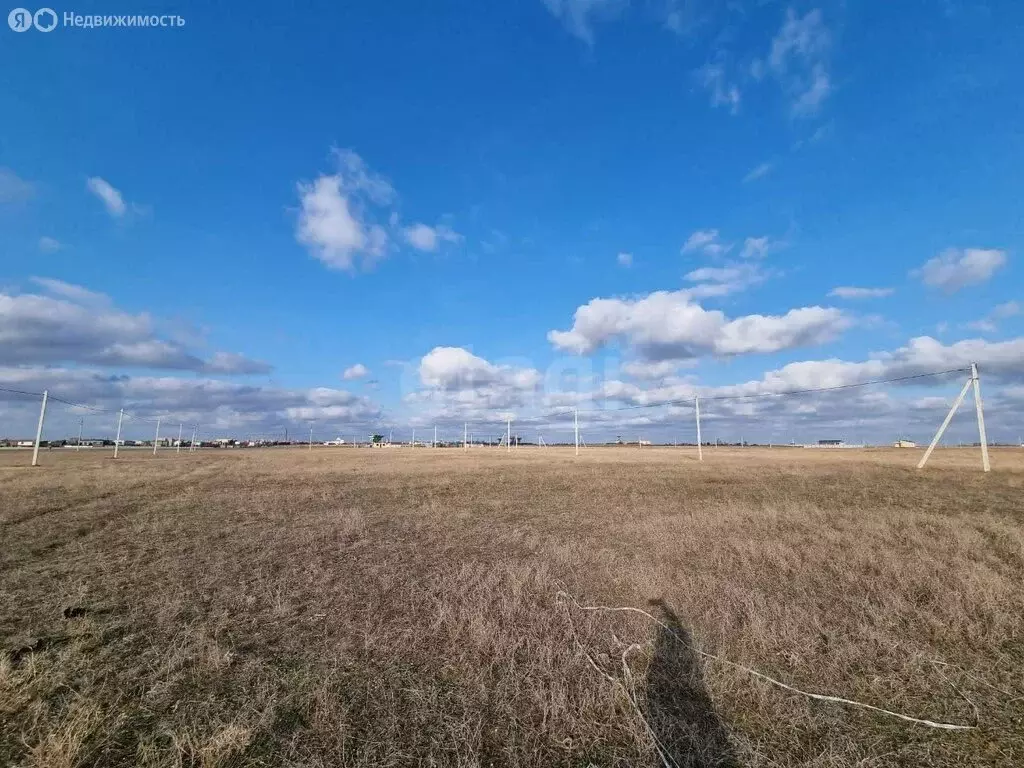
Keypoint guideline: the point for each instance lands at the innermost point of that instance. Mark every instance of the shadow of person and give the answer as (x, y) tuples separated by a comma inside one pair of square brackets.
[(679, 710)]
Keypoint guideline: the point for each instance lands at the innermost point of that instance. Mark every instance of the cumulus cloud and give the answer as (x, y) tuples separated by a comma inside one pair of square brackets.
[(670, 325), (956, 268), (455, 368), (14, 189), (798, 59), (578, 16), (67, 323), (216, 406), (111, 197), (921, 355), (454, 383), (754, 408), (333, 229), (624, 259), (853, 292), (426, 238), (357, 371), (334, 220)]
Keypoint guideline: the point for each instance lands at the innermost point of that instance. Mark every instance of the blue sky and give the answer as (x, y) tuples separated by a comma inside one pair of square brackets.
[(260, 201)]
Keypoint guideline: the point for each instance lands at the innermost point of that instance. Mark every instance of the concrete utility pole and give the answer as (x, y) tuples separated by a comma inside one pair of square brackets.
[(981, 418), (465, 436), (576, 428), (39, 429), (178, 448), (117, 438), (156, 440), (975, 383), (78, 445), (508, 438)]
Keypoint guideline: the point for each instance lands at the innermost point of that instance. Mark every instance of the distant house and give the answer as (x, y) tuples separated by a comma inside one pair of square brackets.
[(831, 443), (904, 444)]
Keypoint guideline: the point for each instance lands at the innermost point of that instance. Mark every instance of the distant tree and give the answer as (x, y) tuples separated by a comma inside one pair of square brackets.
[(377, 438)]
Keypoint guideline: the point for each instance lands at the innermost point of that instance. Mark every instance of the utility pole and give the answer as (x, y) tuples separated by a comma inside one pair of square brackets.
[(117, 438), (434, 444), (465, 436), (192, 445), (311, 437), (696, 410), (39, 429), (981, 418), (78, 445), (576, 428), (508, 438), (156, 440)]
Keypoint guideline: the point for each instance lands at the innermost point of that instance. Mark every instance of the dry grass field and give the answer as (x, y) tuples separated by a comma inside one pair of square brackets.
[(394, 607)]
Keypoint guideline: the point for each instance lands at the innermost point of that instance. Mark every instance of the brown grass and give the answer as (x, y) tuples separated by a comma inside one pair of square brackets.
[(397, 607)]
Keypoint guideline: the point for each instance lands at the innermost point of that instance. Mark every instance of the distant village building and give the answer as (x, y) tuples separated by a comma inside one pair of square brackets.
[(830, 443), (904, 444)]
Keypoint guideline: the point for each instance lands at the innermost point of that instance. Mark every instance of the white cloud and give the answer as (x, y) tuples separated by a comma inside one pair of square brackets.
[(334, 222), (723, 93), (70, 324), (651, 371), (332, 228), (752, 409), (816, 91), (111, 197), (706, 241), (455, 368), (797, 59), (759, 172), (921, 355), (853, 292), (427, 238), (457, 383), (218, 407), (356, 371), (625, 259), (578, 16), (670, 325), (800, 37), (758, 247), (989, 323), (731, 278), (75, 293), (957, 268), (49, 245), (1007, 309), (359, 178), (14, 189)]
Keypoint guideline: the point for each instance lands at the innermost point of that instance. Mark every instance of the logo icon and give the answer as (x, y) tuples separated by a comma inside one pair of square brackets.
[(45, 19), (20, 19)]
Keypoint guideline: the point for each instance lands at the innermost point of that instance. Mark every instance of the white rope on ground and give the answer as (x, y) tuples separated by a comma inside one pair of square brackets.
[(761, 675)]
